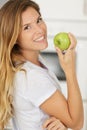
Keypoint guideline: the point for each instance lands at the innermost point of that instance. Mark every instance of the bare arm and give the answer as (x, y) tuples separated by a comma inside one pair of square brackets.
[(69, 111)]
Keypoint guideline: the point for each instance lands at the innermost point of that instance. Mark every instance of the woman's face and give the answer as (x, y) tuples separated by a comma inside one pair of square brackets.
[(33, 36)]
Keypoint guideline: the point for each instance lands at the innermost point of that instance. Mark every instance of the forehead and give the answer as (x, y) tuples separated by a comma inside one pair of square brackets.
[(29, 15)]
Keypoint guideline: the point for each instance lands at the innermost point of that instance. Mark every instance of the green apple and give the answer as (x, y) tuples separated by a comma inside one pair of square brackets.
[(62, 40)]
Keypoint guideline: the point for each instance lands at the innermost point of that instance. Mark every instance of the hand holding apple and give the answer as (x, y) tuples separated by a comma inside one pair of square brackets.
[(62, 41), (67, 55)]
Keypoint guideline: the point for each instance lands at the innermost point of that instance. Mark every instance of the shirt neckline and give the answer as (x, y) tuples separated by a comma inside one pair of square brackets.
[(41, 60)]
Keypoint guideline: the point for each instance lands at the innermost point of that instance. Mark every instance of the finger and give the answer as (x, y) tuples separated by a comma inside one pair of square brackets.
[(57, 49), (55, 128), (63, 128), (48, 121), (73, 41), (55, 124), (59, 52)]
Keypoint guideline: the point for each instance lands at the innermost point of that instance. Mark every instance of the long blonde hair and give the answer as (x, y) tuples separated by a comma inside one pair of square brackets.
[(10, 27)]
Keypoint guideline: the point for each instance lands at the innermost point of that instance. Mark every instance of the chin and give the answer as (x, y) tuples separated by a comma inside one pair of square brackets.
[(44, 46)]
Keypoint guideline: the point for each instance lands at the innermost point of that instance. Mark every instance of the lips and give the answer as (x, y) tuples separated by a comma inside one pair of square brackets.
[(39, 39)]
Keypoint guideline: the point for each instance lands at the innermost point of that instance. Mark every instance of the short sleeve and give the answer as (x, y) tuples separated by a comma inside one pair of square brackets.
[(40, 86)]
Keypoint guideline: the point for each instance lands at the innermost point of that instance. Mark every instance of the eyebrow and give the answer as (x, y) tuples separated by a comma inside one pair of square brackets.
[(30, 23)]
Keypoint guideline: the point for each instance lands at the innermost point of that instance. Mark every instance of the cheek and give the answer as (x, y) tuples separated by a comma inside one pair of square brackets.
[(21, 38), (44, 27), (25, 40)]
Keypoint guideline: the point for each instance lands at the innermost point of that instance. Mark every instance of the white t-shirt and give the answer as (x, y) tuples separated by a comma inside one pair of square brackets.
[(31, 89)]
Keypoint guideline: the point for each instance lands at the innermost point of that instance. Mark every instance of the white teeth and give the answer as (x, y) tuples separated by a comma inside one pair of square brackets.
[(39, 39)]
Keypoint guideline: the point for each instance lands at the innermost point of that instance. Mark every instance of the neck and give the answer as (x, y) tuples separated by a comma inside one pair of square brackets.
[(32, 57)]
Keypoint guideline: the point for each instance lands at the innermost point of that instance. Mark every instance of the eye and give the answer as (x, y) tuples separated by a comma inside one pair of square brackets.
[(27, 27), (39, 20)]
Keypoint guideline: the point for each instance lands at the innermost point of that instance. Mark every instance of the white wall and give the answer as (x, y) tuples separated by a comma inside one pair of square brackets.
[(2, 2), (63, 9)]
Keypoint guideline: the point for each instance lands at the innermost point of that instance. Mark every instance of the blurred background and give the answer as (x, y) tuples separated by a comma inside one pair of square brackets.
[(67, 16)]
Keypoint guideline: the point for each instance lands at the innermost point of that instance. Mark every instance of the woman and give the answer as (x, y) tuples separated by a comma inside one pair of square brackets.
[(29, 92)]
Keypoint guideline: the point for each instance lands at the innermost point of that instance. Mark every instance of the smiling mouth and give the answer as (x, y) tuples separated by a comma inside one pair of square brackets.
[(40, 39)]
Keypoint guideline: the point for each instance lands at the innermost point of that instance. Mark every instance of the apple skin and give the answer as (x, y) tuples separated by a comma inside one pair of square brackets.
[(62, 41)]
